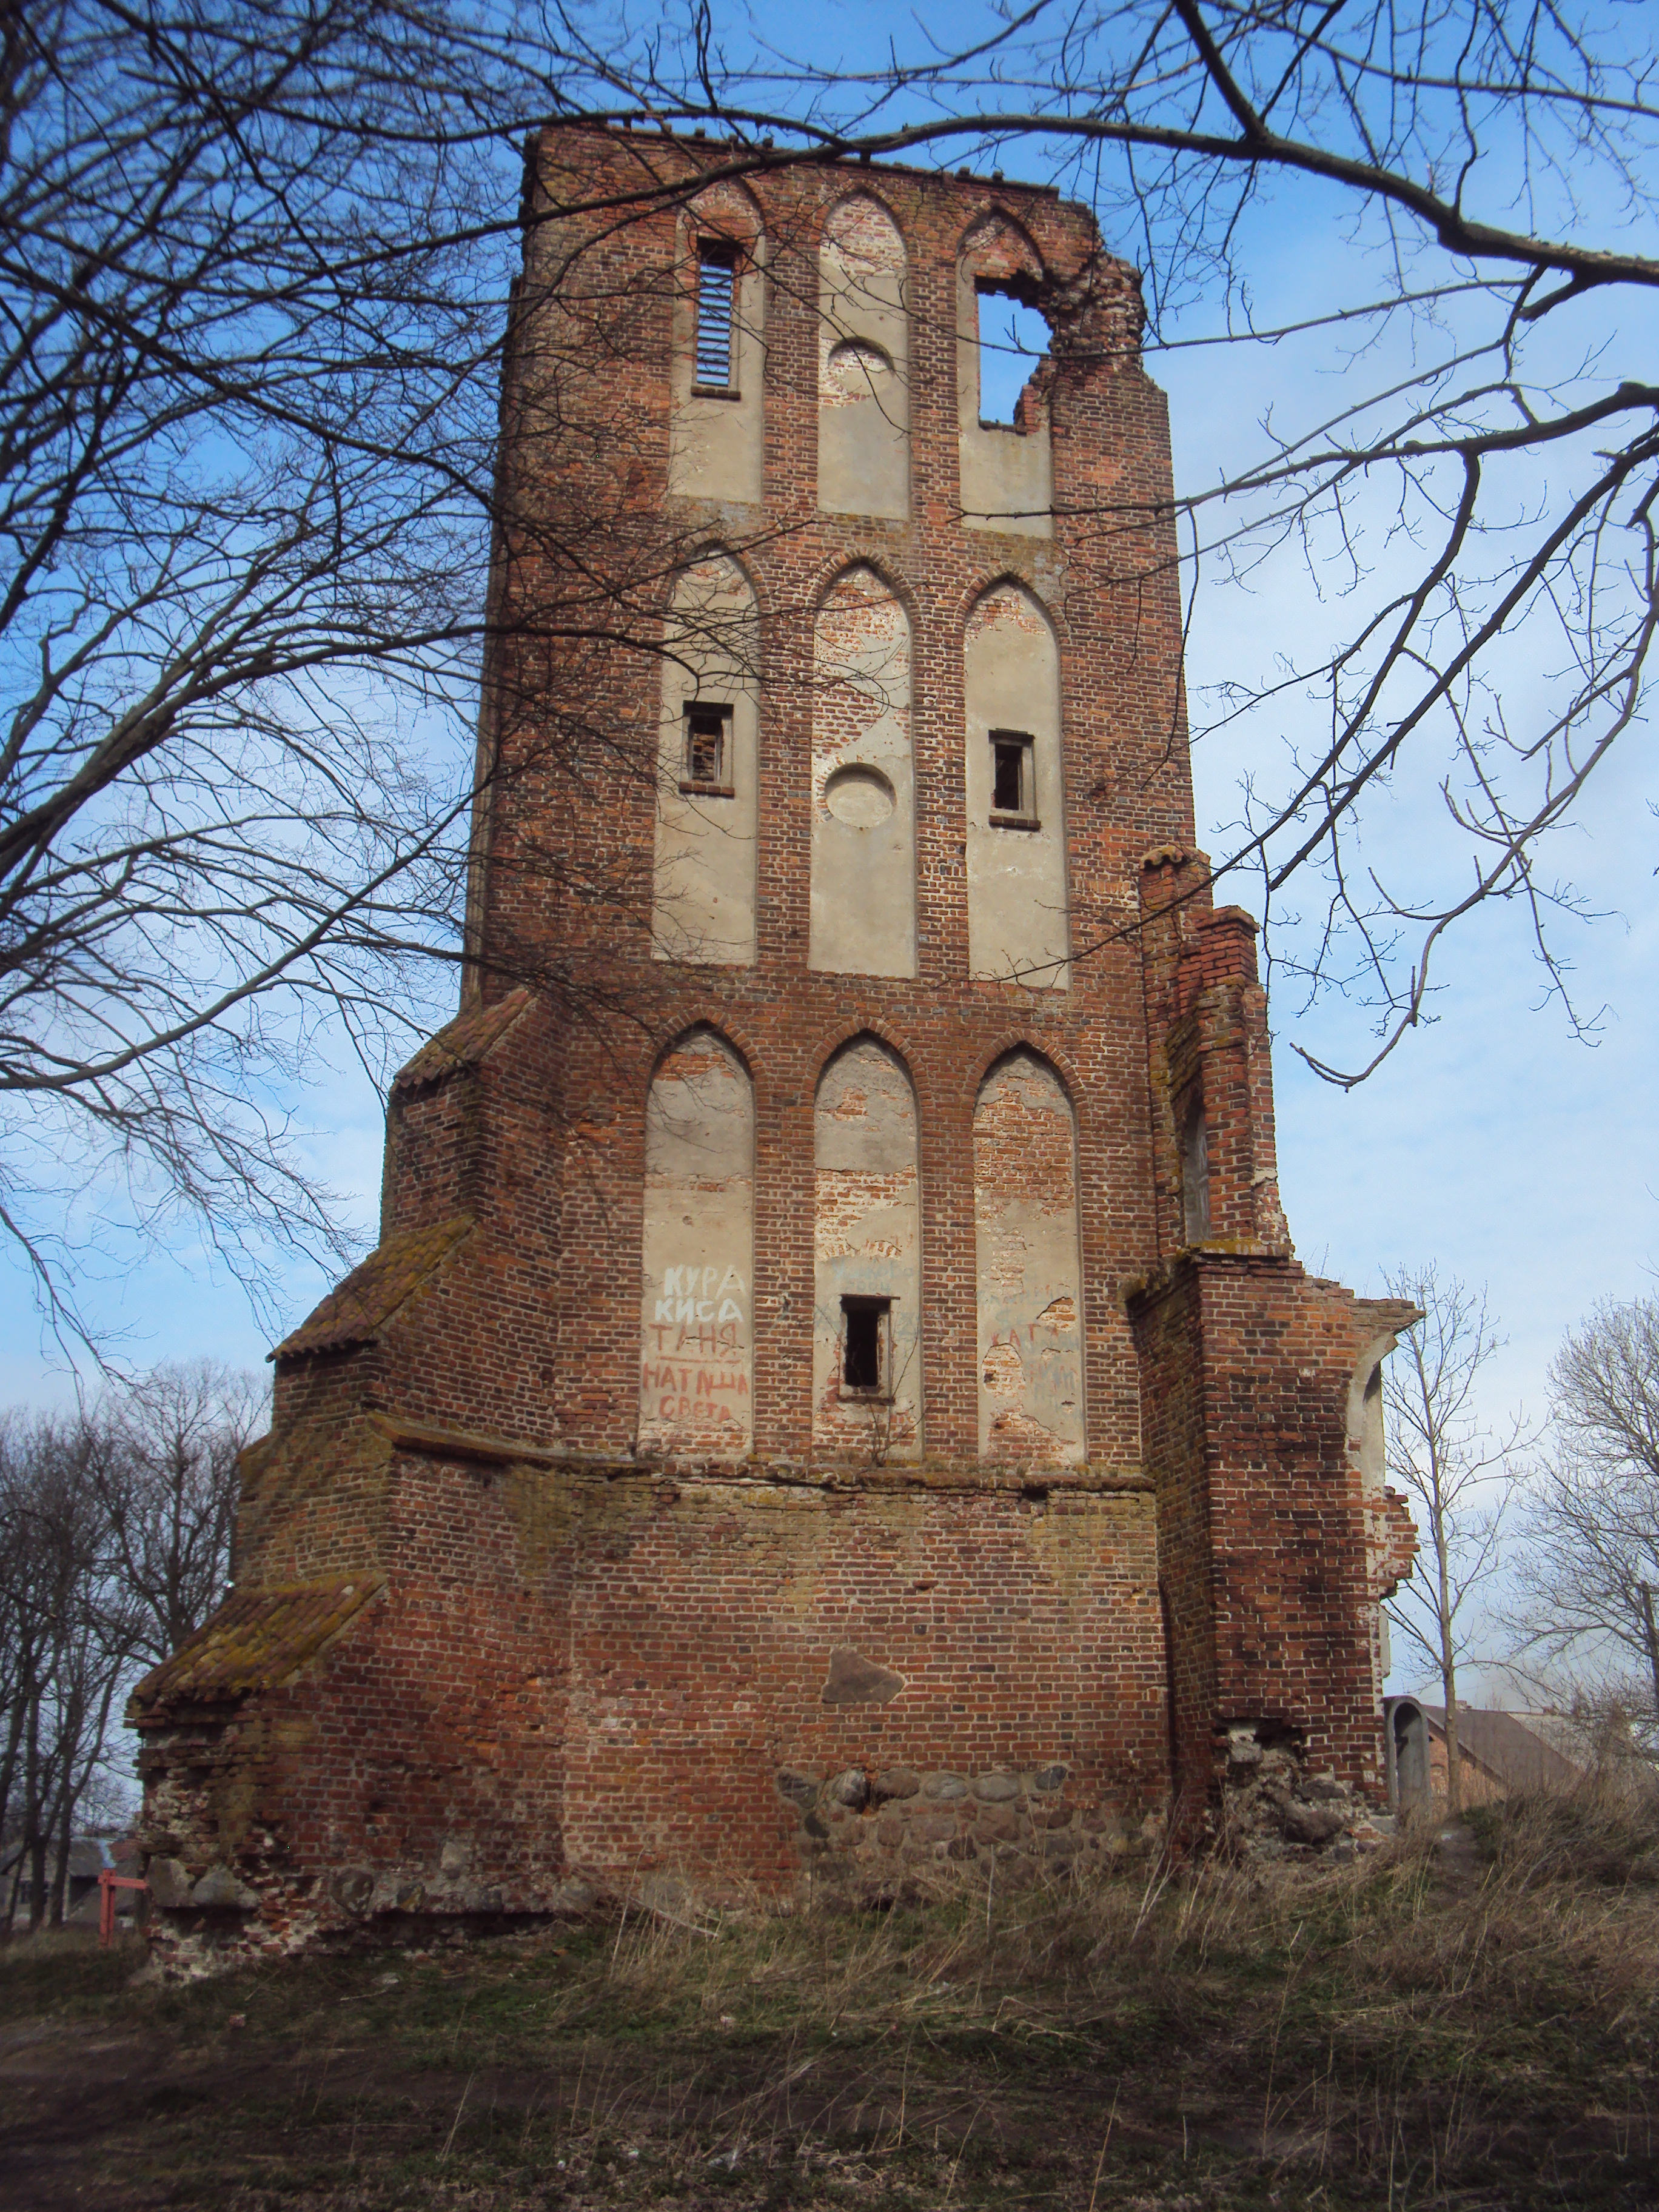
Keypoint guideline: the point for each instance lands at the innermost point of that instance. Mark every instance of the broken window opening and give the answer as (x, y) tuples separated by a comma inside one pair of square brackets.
[(1013, 339), (717, 276), (1013, 780), (866, 1335), (707, 754)]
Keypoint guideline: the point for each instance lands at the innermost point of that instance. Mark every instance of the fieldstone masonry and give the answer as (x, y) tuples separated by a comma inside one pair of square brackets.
[(861, 1411)]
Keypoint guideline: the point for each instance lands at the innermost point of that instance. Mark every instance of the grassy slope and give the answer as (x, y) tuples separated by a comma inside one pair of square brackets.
[(1396, 2033)]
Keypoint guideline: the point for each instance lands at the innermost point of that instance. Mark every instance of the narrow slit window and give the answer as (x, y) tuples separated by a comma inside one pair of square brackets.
[(866, 1334), (1013, 780), (1195, 1174), (707, 762), (717, 277)]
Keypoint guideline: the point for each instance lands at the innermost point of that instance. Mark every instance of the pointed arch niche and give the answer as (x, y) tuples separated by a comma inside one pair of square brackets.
[(866, 1332), (1006, 468), (696, 1349), (864, 363), (1018, 928), (703, 902), (863, 912), (717, 428), (1030, 1266)]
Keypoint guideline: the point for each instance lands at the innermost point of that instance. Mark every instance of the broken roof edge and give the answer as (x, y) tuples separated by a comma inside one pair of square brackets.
[(767, 159), (375, 1291)]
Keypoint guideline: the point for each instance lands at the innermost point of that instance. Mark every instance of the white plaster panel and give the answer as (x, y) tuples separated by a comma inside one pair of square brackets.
[(696, 1319), (864, 364), (1030, 1266), (867, 1243), (863, 906), (717, 445), (703, 903), (1018, 922)]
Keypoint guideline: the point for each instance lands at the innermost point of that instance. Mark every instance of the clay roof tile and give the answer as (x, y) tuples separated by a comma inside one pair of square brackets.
[(357, 1310), (255, 1641), (468, 1039)]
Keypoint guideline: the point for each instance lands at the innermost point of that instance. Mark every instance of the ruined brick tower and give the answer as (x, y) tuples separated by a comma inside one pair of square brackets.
[(833, 1387)]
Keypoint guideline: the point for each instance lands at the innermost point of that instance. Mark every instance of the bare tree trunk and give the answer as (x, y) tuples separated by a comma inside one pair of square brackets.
[(13, 1739), (1448, 1677), (60, 1878), (1653, 1643), (37, 1880)]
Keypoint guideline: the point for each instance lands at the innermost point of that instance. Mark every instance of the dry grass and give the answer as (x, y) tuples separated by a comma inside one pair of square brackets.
[(1413, 2029)]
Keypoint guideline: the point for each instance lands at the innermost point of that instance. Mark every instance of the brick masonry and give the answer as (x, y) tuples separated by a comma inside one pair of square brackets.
[(553, 1643)]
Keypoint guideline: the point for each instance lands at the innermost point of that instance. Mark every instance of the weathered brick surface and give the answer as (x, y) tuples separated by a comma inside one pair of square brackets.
[(590, 1658)]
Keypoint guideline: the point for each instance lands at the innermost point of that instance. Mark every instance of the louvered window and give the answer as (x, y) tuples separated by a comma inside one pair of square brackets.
[(717, 271)]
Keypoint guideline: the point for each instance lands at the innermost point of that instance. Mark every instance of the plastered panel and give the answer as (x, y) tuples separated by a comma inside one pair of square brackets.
[(864, 364), (1030, 1273), (1018, 924), (1007, 471), (867, 1243), (864, 866), (697, 1335), (717, 441), (703, 903)]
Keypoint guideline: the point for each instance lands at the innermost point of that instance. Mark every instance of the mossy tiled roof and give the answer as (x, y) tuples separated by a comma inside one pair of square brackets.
[(256, 1640), (356, 1310), (466, 1041)]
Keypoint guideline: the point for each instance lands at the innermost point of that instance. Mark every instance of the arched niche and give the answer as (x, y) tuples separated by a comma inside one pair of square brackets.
[(1007, 469), (1029, 1265), (703, 903), (696, 1319), (1018, 923), (864, 363), (863, 918), (717, 429), (867, 1333)]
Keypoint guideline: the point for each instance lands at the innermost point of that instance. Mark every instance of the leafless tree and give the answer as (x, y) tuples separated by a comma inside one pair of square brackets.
[(1588, 1563), (254, 296), (70, 1635), (115, 1529), (1454, 1468), (1472, 494), (253, 293), (164, 1471)]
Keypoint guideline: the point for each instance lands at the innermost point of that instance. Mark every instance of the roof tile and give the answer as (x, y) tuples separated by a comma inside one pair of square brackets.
[(467, 1040), (256, 1640), (357, 1310)]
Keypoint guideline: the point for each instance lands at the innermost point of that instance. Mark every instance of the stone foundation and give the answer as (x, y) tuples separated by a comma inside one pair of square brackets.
[(878, 1832)]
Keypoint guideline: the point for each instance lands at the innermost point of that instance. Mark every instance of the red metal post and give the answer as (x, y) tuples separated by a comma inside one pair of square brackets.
[(108, 1883)]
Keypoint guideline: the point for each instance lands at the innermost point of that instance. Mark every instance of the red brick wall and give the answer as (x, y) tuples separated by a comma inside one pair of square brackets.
[(1261, 1523)]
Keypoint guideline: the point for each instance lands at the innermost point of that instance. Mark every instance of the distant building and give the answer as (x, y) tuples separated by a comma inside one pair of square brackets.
[(1503, 1753), (89, 1855)]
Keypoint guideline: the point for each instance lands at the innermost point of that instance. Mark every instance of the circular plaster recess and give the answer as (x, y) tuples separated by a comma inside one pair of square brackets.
[(858, 367), (860, 797)]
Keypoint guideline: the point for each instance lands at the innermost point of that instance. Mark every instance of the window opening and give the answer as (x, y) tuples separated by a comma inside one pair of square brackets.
[(717, 276), (1013, 780), (866, 1336), (1013, 337), (708, 755)]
